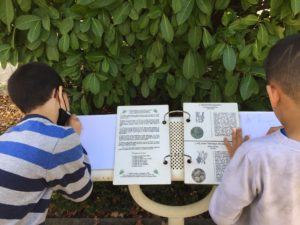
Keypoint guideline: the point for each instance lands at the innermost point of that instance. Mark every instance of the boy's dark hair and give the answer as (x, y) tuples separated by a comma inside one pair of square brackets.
[(32, 84), (283, 65)]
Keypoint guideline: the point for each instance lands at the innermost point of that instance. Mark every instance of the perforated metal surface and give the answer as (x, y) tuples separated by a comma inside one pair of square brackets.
[(176, 143)]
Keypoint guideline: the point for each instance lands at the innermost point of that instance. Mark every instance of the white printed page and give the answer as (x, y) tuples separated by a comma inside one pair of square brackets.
[(204, 140), (142, 142)]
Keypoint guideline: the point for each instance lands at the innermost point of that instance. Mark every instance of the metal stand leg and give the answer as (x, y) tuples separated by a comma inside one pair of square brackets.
[(175, 221), (176, 214)]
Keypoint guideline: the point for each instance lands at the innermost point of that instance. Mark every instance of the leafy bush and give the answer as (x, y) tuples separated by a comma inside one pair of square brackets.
[(111, 52)]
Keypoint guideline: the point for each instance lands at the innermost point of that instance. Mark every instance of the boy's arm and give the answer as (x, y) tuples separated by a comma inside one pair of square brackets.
[(69, 169), (236, 191)]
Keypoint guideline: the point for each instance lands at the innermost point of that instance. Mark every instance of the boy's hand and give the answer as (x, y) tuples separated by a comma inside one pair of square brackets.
[(75, 123), (237, 140)]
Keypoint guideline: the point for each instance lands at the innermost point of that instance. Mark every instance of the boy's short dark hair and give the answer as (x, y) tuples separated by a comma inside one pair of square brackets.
[(283, 65), (32, 84)]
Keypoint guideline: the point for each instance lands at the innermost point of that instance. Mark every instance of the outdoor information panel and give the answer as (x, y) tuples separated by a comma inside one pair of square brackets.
[(98, 137), (142, 142), (204, 134)]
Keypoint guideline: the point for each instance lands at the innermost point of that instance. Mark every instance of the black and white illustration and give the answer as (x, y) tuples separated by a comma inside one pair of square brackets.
[(204, 140), (199, 117), (198, 175), (197, 132), (202, 156)]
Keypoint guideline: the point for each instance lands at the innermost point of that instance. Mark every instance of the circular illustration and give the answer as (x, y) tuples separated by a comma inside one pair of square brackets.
[(198, 175), (197, 132)]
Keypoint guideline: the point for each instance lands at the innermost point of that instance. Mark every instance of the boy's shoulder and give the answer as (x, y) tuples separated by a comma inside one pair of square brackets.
[(256, 147), (41, 126)]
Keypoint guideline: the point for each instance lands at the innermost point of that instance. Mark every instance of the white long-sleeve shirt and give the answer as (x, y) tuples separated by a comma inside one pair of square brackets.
[(261, 184)]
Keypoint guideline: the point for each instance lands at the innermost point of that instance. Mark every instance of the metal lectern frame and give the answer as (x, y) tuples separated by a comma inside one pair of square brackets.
[(175, 214)]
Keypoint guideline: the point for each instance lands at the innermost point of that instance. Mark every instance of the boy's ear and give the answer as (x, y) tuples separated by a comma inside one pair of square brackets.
[(274, 95)]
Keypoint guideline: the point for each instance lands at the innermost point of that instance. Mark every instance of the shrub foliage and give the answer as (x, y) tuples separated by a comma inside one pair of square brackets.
[(111, 52)]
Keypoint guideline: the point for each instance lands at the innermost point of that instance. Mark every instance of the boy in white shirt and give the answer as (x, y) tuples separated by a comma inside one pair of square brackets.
[(261, 184)]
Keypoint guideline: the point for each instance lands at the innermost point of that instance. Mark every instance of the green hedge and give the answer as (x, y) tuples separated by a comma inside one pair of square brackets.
[(113, 52)]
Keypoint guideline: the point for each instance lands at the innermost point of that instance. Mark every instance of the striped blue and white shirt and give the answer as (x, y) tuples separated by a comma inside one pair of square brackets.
[(38, 157)]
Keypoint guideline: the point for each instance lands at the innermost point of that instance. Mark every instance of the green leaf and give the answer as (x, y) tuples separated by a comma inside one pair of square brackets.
[(170, 80), (97, 27), (25, 5), (166, 29), (84, 106), (275, 6), (163, 69), (215, 94), (155, 12), (262, 35), (52, 53), (85, 25), (74, 41), (247, 87), (101, 3), (136, 79), (295, 5), (98, 100), (7, 12), (207, 39), (134, 15), (143, 22), (120, 14), (249, 20), (66, 25), (41, 3), (25, 22), (194, 37), (64, 43), (72, 60), (231, 86), (140, 4), (226, 18), (185, 12), (34, 45), (229, 58), (105, 65), (4, 52), (34, 32), (84, 2), (52, 39), (246, 51), (176, 5), (205, 6), (130, 38), (145, 89), (46, 22), (152, 81), (91, 83), (258, 72), (53, 12), (189, 65), (113, 69), (222, 4), (124, 28), (217, 52), (154, 27)]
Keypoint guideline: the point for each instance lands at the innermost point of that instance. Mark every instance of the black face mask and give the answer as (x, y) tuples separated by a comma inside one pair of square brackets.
[(63, 117)]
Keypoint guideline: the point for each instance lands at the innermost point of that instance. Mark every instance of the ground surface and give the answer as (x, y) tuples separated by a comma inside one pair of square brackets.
[(9, 113)]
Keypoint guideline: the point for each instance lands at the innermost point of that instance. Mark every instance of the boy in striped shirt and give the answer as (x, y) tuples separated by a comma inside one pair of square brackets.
[(37, 156)]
